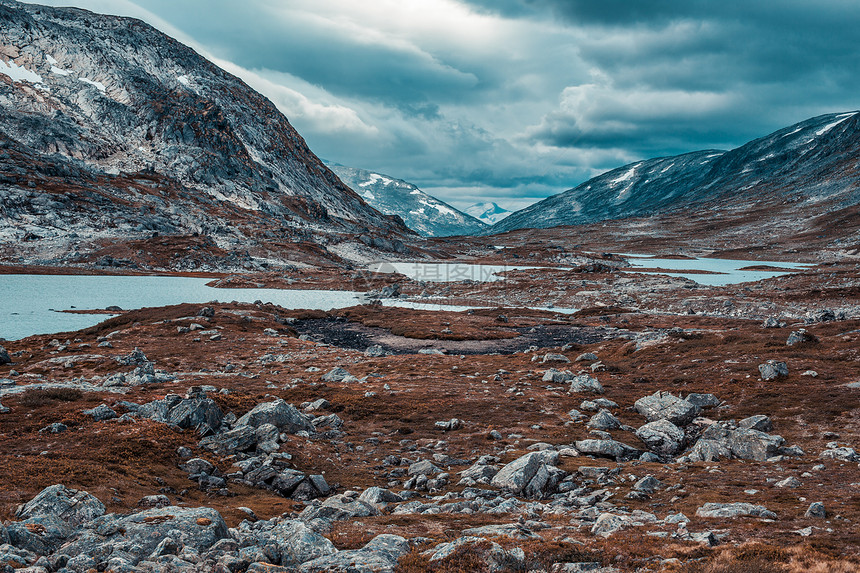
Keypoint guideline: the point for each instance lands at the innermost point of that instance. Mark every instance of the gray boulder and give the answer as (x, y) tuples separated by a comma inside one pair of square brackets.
[(608, 449), (758, 422), (705, 450), (424, 467), (608, 523), (662, 437), (842, 453), (4, 357), (703, 400), (337, 508), (773, 369), (585, 383), (72, 506), (197, 413), (648, 485), (665, 406), (101, 413), (278, 413), (379, 497), (517, 476), (239, 439), (556, 376), (380, 555), (336, 375), (139, 534), (798, 336), (816, 510), (290, 541), (731, 510), (604, 420), (754, 445)]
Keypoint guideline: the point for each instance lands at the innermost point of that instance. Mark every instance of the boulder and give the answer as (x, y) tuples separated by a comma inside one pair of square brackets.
[(754, 445), (555, 358), (292, 540), (585, 383), (730, 510), (665, 406), (239, 439), (816, 510), (337, 508), (608, 523), (556, 376), (278, 413), (517, 475), (799, 336), (662, 437), (379, 497), (101, 413), (380, 555), (72, 506), (705, 450), (424, 467), (758, 422), (336, 375), (4, 357), (608, 449), (703, 400), (773, 369), (604, 420), (139, 534), (197, 413), (648, 485)]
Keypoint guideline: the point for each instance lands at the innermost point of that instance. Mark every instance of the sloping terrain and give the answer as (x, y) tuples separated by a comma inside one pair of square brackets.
[(810, 166), (113, 131), (489, 212), (421, 212)]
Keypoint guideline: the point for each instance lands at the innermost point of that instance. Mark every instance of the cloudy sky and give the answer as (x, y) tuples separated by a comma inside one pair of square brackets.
[(516, 100)]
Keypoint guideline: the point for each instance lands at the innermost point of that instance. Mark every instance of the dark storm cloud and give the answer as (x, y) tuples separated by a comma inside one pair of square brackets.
[(514, 100)]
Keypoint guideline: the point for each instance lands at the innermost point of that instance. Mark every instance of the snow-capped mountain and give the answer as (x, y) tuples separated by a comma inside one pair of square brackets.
[(114, 131), (421, 212), (811, 163), (489, 212)]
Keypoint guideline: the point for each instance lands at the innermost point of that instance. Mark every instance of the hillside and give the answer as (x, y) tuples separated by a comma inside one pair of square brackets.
[(115, 132)]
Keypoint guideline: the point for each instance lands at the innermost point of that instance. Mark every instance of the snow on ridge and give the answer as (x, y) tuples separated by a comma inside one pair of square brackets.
[(829, 126), (19, 73), (51, 59), (59, 71), (376, 178), (98, 85), (183, 80), (368, 195), (439, 207), (626, 177)]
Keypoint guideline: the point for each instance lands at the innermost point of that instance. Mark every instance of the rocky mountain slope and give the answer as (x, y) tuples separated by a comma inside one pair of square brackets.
[(489, 212), (810, 165), (113, 131), (421, 212)]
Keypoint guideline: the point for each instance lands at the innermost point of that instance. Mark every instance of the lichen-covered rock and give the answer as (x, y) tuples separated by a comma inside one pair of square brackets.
[(518, 474), (278, 413), (72, 506), (665, 406), (608, 449), (731, 510), (380, 555), (662, 437)]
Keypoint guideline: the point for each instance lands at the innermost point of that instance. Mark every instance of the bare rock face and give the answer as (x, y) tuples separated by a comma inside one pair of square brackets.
[(112, 130), (69, 505)]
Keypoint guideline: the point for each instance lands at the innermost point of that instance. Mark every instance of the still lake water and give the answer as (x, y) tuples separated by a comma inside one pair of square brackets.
[(28, 303), (728, 269)]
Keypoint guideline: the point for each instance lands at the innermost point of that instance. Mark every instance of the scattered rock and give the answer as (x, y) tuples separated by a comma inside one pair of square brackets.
[(100, 413), (604, 420), (585, 383), (731, 510), (816, 510), (665, 406), (758, 422), (773, 369), (799, 336), (283, 416), (662, 437)]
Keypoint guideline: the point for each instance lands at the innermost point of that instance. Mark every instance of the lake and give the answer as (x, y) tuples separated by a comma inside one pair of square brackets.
[(28, 303), (729, 269)]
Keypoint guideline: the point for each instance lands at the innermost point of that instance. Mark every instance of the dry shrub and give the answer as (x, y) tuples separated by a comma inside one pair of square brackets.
[(37, 398)]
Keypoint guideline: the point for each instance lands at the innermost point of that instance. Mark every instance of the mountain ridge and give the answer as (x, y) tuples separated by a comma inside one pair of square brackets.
[(421, 212), (809, 161), (100, 101)]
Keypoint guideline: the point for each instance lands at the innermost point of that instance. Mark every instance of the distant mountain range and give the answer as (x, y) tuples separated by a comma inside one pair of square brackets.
[(421, 212), (811, 166), (112, 132), (489, 213)]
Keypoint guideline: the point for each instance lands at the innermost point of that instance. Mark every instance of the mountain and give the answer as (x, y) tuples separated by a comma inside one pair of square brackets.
[(810, 166), (489, 212), (421, 212), (114, 132)]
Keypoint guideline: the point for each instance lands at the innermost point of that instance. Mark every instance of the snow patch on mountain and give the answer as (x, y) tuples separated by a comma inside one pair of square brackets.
[(489, 212), (421, 212)]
